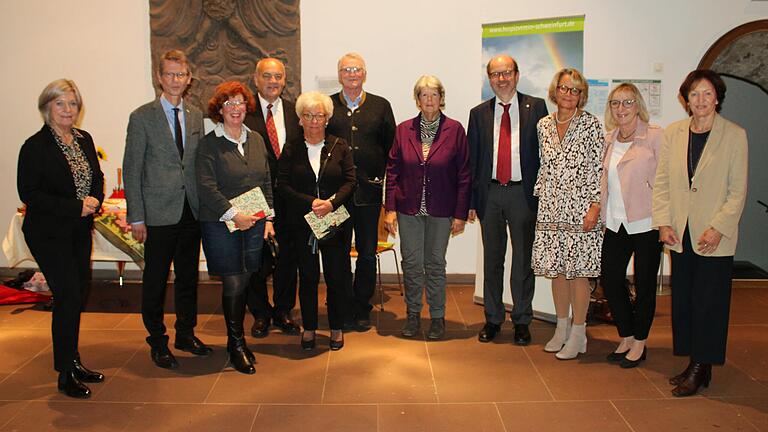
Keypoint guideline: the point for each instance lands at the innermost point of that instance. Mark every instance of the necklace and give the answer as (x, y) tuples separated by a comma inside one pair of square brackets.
[(557, 118), (625, 138)]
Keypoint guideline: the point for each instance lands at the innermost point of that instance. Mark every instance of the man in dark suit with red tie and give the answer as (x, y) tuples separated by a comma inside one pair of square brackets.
[(276, 121), (504, 159)]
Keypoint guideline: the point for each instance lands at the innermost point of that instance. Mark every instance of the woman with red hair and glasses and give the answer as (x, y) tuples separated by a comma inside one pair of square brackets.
[(232, 160)]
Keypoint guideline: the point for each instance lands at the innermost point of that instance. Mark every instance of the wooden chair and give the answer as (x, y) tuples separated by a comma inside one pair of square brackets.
[(383, 245)]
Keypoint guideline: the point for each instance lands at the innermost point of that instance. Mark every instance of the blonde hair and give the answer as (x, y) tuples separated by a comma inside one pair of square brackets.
[(53, 91), (429, 81), (578, 80), (642, 110)]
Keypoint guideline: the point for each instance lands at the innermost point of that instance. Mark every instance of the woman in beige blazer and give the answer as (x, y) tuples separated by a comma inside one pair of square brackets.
[(701, 184)]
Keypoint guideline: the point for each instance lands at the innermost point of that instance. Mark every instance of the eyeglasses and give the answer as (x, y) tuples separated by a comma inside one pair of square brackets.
[(269, 76), (572, 90), (233, 103), (507, 74), (308, 117), (351, 70), (178, 75), (626, 103)]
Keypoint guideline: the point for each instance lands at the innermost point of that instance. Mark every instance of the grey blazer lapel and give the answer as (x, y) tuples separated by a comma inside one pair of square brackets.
[(163, 129)]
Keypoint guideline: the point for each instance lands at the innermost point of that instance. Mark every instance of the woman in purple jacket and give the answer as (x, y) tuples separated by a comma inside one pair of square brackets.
[(427, 195)]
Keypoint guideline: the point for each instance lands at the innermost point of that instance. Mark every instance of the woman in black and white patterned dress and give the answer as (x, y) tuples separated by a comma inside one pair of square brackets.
[(568, 233)]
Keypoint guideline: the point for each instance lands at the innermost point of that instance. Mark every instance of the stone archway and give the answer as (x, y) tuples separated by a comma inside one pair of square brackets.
[(741, 53)]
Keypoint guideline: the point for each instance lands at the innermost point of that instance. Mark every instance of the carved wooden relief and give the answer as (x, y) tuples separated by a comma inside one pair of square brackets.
[(225, 38)]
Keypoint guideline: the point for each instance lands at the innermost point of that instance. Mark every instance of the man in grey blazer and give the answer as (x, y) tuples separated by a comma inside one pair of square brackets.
[(504, 159), (161, 193)]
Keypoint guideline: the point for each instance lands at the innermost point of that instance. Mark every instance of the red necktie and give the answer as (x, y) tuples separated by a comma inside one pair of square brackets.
[(272, 132), (504, 162)]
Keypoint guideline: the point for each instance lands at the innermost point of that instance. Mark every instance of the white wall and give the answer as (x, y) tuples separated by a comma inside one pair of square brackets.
[(104, 46)]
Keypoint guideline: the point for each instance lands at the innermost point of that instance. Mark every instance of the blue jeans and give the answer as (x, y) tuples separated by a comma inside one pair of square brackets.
[(232, 253)]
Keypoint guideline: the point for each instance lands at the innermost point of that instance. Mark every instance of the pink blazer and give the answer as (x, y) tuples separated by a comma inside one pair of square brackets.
[(637, 171)]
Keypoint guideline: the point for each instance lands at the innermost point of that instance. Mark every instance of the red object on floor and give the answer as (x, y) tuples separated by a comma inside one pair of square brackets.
[(14, 296)]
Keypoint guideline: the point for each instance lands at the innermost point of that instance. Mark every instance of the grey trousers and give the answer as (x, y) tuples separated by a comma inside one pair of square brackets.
[(423, 243), (507, 209)]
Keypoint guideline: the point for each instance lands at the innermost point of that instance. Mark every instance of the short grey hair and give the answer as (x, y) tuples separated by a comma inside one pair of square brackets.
[(351, 55), (313, 99), (429, 81), (53, 91)]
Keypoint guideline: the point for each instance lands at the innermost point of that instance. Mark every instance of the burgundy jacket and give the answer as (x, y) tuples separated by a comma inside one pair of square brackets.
[(446, 169)]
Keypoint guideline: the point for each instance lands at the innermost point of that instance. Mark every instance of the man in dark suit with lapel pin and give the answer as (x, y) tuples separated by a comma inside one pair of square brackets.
[(504, 159), (276, 121), (161, 193)]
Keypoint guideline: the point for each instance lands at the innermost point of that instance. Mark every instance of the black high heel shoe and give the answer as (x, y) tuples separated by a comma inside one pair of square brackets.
[(308, 344), (616, 357), (699, 375), (677, 379), (337, 344), (628, 364), (84, 374), (70, 385)]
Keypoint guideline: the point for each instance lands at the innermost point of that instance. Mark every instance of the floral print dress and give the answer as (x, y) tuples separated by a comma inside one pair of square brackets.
[(568, 182)]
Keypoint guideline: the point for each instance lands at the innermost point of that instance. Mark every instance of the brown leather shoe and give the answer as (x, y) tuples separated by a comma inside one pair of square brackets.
[(699, 375)]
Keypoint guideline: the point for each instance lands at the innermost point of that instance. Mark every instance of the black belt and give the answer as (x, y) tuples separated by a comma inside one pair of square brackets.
[(509, 183)]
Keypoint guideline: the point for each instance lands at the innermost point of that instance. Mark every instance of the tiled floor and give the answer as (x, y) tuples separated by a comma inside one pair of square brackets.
[(379, 381)]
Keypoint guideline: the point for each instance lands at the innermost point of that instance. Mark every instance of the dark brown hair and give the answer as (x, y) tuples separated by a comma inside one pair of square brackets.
[(697, 75)]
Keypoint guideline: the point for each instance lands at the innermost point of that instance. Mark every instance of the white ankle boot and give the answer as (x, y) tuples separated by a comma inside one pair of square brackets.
[(576, 344), (562, 332)]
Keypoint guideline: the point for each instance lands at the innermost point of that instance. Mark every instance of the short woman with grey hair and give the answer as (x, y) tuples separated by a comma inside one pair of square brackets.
[(427, 196), (316, 174), (568, 236), (61, 183)]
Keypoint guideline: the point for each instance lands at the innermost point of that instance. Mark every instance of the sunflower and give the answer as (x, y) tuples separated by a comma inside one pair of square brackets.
[(102, 155)]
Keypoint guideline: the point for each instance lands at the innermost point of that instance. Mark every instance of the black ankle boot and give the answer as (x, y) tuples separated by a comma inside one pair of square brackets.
[(240, 357), (699, 375), (70, 385), (84, 374), (677, 379)]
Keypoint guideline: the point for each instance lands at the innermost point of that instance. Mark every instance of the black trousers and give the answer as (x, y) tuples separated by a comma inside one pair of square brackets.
[(283, 271), (507, 210), (365, 220), (178, 244), (66, 265), (618, 247), (337, 270), (701, 303)]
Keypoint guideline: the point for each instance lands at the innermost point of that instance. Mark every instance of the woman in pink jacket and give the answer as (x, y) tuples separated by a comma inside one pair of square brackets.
[(629, 169)]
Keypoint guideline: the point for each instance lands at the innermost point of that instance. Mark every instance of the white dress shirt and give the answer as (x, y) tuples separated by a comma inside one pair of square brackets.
[(277, 115), (313, 152)]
